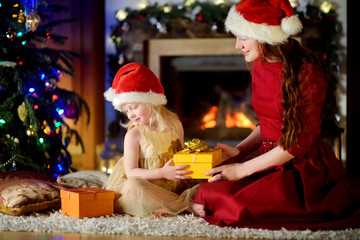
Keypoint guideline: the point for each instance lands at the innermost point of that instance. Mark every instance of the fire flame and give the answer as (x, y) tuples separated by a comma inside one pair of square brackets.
[(237, 119), (209, 120)]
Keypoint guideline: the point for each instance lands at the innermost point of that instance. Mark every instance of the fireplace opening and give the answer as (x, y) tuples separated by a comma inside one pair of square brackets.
[(211, 95)]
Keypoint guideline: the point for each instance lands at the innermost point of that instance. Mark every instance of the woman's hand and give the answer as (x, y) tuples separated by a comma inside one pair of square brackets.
[(227, 151), (235, 171), (175, 173)]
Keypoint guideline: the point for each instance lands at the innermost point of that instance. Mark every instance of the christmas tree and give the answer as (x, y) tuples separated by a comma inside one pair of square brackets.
[(34, 134)]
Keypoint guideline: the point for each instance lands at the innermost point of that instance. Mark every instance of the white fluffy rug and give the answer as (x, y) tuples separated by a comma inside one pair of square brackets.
[(182, 225)]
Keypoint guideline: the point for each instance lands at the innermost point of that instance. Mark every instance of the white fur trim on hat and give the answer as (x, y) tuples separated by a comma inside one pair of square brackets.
[(262, 32), (131, 97)]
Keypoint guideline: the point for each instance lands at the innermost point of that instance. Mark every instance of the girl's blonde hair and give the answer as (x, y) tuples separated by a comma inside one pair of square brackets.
[(161, 118)]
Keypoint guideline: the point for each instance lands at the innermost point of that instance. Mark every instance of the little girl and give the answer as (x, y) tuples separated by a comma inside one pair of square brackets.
[(145, 179)]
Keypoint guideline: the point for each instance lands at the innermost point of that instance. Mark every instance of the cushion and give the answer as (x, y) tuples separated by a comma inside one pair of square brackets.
[(21, 196), (84, 179)]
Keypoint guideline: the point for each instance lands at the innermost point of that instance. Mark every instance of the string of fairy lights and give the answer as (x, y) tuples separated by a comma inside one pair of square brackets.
[(122, 14)]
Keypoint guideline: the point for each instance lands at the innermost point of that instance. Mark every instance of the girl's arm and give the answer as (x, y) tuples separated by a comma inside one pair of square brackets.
[(131, 161), (236, 171)]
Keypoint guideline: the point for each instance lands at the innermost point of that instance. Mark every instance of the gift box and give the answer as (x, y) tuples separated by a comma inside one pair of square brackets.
[(200, 162), (87, 202)]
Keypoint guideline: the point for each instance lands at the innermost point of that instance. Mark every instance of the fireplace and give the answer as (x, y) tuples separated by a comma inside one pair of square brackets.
[(207, 84)]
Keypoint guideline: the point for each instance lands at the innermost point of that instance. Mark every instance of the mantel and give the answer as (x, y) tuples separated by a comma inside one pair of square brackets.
[(157, 48)]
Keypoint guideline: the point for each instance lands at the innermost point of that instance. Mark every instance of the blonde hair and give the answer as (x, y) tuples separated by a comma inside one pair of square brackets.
[(161, 118)]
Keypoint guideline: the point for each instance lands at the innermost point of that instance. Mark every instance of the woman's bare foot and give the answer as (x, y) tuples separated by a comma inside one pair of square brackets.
[(197, 209)]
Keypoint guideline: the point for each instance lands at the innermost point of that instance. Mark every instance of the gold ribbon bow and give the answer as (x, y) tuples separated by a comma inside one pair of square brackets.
[(195, 145)]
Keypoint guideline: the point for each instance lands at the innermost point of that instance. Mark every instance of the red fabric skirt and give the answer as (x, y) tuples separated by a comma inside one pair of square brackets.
[(308, 193)]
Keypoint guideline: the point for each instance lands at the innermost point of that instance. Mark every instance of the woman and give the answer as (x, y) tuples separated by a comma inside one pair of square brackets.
[(296, 181)]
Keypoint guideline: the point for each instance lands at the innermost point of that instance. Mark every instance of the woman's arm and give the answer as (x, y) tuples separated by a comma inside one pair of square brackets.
[(250, 143), (237, 171), (243, 149)]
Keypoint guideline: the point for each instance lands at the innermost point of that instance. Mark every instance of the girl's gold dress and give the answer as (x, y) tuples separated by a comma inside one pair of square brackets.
[(140, 197)]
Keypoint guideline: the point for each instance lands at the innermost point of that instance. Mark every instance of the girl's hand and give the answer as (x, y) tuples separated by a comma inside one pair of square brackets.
[(227, 151), (233, 171), (175, 173)]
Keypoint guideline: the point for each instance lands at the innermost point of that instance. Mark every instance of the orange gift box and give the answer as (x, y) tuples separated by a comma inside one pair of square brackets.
[(87, 202)]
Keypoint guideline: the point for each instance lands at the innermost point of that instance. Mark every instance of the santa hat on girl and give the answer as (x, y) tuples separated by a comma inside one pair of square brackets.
[(135, 83), (268, 21)]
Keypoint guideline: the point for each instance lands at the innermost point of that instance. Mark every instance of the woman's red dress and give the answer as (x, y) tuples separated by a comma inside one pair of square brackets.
[(311, 191)]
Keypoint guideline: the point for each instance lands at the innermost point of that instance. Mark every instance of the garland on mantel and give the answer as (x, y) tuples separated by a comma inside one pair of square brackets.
[(190, 19)]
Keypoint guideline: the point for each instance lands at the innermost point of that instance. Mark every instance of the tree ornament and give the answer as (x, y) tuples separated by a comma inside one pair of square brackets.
[(50, 84), (214, 27), (22, 112), (33, 20), (125, 27), (71, 111), (15, 140), (10, 34), (21, 18), (141, 16), (333, 18), (200, 17), (119, 30)]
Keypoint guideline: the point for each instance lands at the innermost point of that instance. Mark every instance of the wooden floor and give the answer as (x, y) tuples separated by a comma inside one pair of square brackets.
[(82, 236)]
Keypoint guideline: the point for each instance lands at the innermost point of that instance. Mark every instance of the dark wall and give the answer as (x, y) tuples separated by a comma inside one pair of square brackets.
[(86, 36), (353, 90)]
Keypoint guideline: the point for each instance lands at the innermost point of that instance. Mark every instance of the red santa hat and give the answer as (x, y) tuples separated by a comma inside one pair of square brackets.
[(135, 83), (268, 21)]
